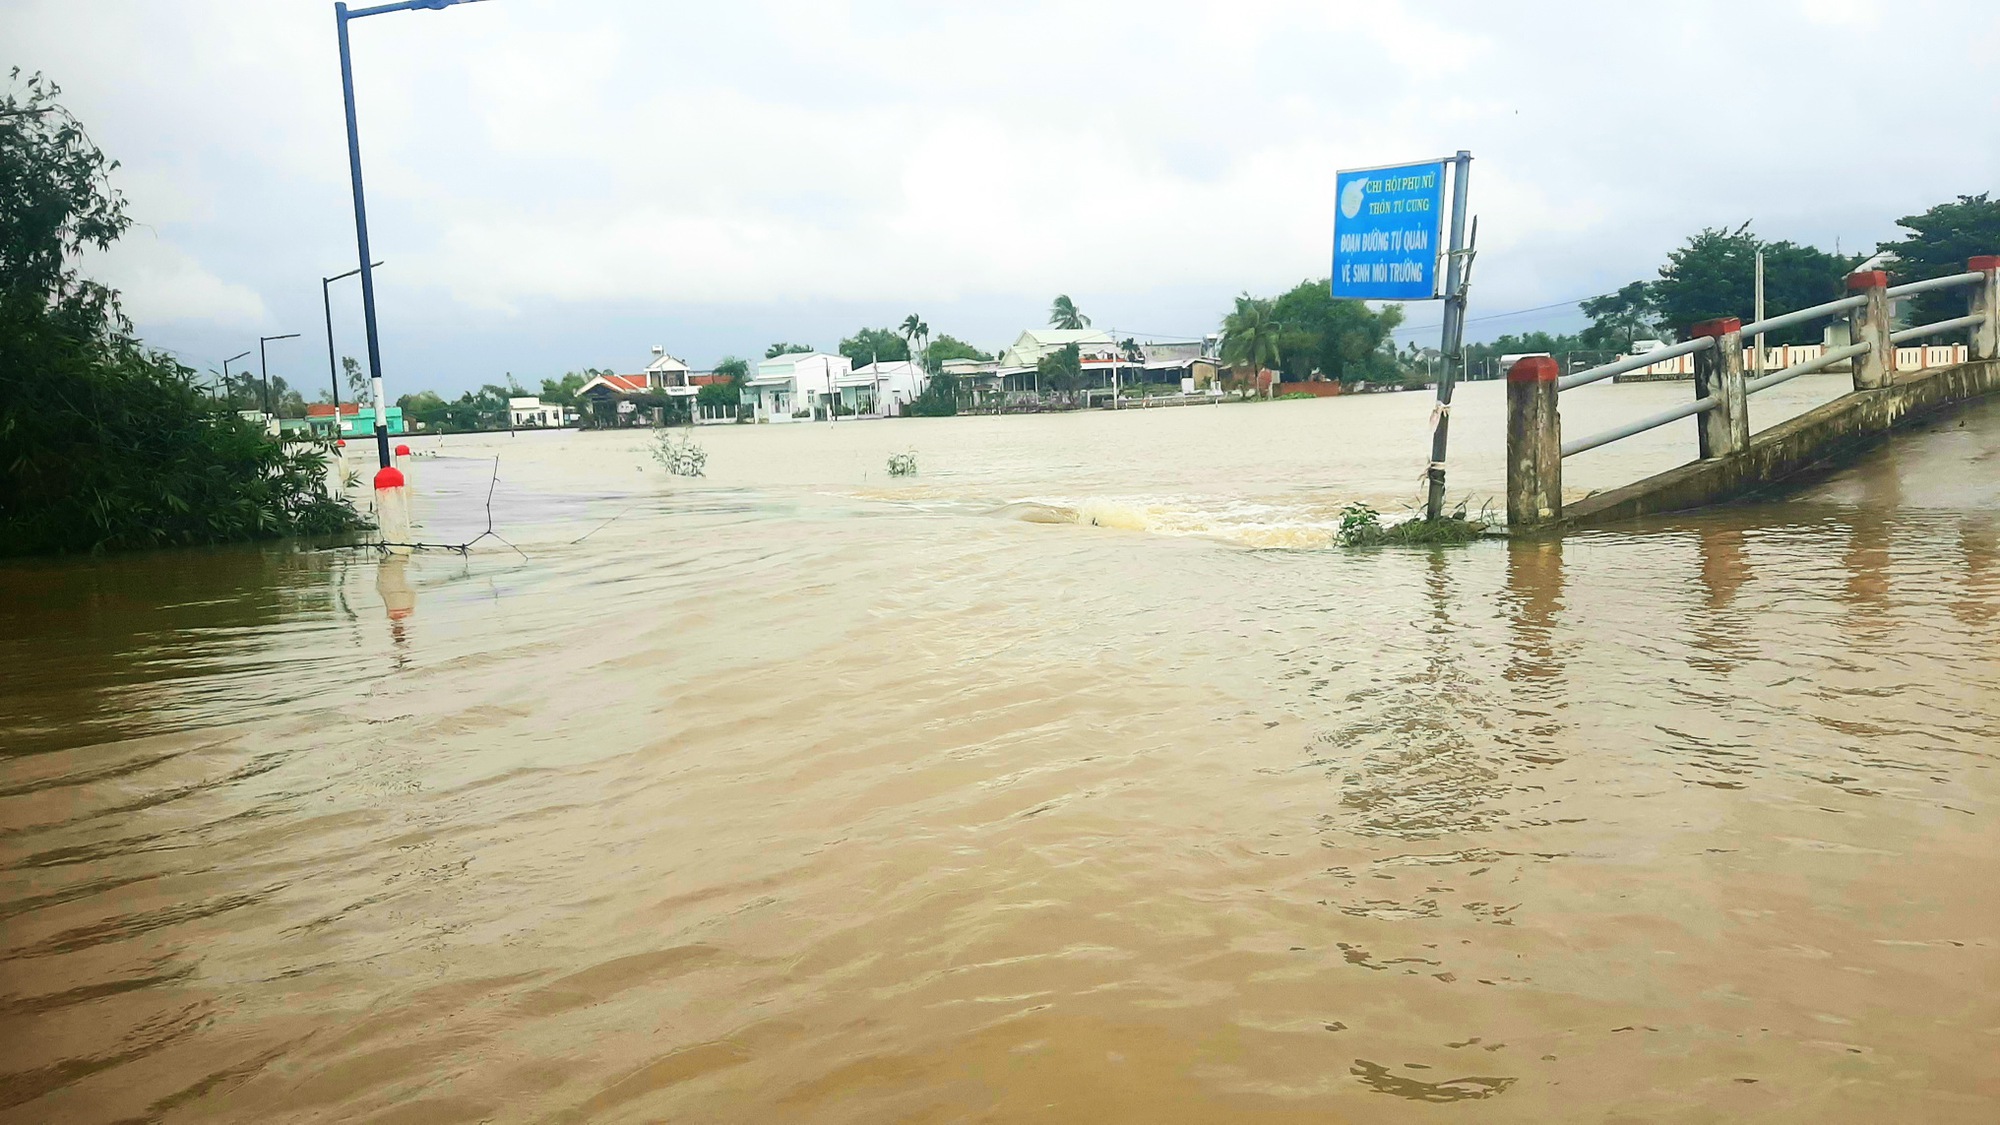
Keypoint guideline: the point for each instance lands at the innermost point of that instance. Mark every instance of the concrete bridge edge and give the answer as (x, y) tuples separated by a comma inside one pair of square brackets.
[(1829, 434)]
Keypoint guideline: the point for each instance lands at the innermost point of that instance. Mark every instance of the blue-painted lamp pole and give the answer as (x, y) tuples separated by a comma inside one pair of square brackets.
[(340, 17)]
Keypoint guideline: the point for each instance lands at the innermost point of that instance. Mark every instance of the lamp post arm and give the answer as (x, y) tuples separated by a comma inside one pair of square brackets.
[(403, 6)]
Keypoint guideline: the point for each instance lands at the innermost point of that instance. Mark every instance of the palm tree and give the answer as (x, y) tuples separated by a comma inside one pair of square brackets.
[(912, 330), (1063, 314), (1250, 335)]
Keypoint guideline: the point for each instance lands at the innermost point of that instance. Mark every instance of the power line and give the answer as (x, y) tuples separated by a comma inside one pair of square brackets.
[(1505, 315)]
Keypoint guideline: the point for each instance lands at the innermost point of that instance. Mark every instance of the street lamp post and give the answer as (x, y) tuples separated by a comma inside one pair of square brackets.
[(264, 374), (227, 387), (340, 17), (332, 371)]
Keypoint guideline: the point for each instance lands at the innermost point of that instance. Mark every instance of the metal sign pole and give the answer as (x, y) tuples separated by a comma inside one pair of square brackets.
[(1454, 331)]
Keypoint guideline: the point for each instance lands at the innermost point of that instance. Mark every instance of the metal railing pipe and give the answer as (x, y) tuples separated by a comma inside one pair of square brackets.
[(1786, 320), (1922, 330), (1926, 286), (1652, 421), (1634, 362), (1826, 358)]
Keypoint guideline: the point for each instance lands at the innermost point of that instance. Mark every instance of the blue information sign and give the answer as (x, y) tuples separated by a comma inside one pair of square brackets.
[(1385, 234)]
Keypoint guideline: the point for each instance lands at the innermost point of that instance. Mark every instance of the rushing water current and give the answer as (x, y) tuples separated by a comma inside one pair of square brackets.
[(1075, 778)]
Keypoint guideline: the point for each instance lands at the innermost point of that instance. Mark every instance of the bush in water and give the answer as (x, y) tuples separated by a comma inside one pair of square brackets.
[(682, 457), (1361, 526), (903, 464)]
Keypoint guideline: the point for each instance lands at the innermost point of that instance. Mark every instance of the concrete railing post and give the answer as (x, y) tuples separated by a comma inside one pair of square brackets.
[(1875, 367), (1534, 444), (1986, 302), (1718, 371)]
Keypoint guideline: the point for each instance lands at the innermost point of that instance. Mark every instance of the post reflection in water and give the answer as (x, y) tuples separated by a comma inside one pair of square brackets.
[(1721, 629), (399, 599), (1533, 597), (1979, 586)]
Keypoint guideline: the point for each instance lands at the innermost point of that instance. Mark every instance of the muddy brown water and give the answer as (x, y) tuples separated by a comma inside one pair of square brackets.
[(1072, 779)]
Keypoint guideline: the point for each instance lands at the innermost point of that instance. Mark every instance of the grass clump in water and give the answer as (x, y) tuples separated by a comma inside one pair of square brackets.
[(903, 464), (1362, 526), (682, 458)]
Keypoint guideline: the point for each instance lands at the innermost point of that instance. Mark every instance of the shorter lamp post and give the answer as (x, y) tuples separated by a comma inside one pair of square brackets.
[(332, 371), (262, 371), (228, 388)]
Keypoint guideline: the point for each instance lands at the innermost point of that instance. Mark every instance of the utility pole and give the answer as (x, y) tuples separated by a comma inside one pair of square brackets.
[(1454, 331)]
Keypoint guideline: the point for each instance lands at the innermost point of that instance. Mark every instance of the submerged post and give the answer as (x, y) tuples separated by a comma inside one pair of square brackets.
[(1718, 374), (1454, 331), (1986, 302), (1875, 367), (1534, 444)]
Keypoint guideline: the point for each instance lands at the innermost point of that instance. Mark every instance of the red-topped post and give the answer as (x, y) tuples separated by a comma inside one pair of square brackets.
[(1534, 444), (1718, 372), (1875, 367), (1986, 302), (392, 510)]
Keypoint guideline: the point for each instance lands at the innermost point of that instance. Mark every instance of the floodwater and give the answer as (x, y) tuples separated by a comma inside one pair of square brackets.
[(1038, 786)]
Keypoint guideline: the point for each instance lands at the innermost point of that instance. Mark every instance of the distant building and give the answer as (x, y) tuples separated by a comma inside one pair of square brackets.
[(351, 421), (1178, 363), (1018, 363), (880, 389), (532, 413), (797, 386), (1035, 343), (980, 376)]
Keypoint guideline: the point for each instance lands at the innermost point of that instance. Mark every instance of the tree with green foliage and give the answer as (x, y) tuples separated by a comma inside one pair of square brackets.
[(1620, 317), (1336, 338), (562, 392), (105, 444), (357, 382), (1714, 275), (1062, 371), (734, 369), (947, 347), (286, 400), (870, 344), (423, 406), (1063, 313), (1250, 336), (718, 396), (914, 329), (776, 350), (938, 399), (1940, 242)]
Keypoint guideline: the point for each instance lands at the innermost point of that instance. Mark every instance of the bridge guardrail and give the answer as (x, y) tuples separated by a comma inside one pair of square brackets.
[(1722, 390)]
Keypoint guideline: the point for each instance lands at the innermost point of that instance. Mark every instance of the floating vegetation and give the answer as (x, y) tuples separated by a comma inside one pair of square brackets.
[(682, 458), (903, 464), (1362, 526)]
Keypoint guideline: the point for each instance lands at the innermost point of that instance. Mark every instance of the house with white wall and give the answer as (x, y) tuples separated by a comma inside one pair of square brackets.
[(1018, 362), (796, 384), (881, 389), (531, 412)]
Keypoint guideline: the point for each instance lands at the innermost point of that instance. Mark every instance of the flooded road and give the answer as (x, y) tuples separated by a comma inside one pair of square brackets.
[(801, 792)]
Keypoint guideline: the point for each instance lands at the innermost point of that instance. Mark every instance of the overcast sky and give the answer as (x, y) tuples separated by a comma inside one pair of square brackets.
[(564, 183)]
